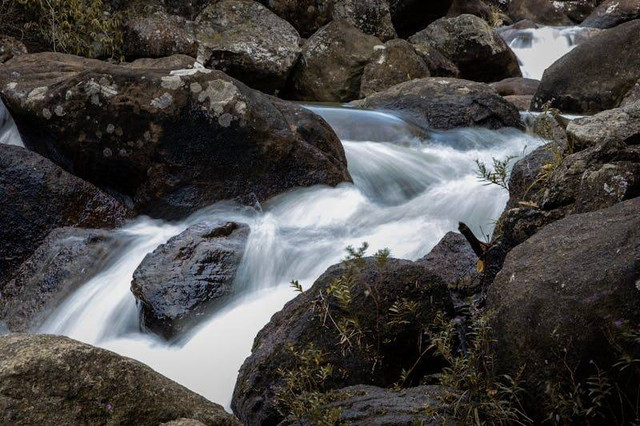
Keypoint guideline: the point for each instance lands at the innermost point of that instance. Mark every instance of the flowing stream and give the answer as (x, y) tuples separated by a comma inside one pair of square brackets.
[(410, 188)]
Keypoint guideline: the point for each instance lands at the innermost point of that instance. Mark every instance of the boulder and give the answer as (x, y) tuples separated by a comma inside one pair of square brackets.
[(369, 16), (410, 16), (446, 103), (374, 287), (37, 197), (521, 102), (307, 16), (611, 13), (181, 280), (66, 259), (479, 52), (10, 47), (619, 125), (452, 259), (172, 140), (56, 380), (156, 36), (249, 42), (543, 12), (363, 405), (438, 64), (560, 292), (595, 75), (632, 95), (332, 62), (396, 62), (516, 86)]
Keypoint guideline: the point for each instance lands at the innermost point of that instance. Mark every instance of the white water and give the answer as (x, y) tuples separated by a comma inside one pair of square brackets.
[(538, 48), (8, 131), (409, 190)]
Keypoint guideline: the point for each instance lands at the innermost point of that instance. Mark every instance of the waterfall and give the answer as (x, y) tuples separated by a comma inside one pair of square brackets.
[(8, 131), (410, 188)]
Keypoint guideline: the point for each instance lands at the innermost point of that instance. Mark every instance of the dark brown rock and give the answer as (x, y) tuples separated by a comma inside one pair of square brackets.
[(479, 52), (172, 140), (56, 380), (301, 323), (438, 64), (182, 280), (543, 12), (307, 16), (394, 63), (470, 7), (612, 13), (446, 103), (516, 86), (156, 36), (332, 62), (10, 47), (39, 196), (369, 16), (594, 76)]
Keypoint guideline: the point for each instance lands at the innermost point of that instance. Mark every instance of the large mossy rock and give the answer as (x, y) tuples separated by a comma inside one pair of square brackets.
[(37, 197), (332, 63), (394, 63), (173, 140), (594, 76), (66, 259), (560, 293), (611, 13), (56, 380), (303, 324), (248, 42), (180, 281), (477, 50), (446, 103)]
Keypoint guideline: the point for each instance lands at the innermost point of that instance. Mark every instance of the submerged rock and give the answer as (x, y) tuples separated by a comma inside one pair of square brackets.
[(561, 291), (332, 63), (594, 76), (37, 197), (174, 140), (67, 258), (303, 324), (394, 63), (56, 380), (179, 282), (249, 42), (479, 52), (446, 103)]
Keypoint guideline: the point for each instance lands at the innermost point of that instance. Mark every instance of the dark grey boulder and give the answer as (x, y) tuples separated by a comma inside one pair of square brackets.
[(155, 36), (56, 380), (446, 103), (452, 259), (182, 280), (611, 13), (369, 16), (544, 12)]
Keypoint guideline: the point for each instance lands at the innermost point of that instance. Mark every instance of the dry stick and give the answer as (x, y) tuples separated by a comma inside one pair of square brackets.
[(479, 248)]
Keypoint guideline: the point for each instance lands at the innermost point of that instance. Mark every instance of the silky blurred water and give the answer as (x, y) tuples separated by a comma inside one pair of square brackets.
[(410, 188)]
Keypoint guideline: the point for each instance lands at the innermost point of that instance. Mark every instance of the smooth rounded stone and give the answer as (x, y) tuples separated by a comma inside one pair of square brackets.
[(393, 63), (369, 16), (445, 103), (559, 291), (249, 42), (66, 259), (55, 380), (438, 64), (479, 52), (156, 36), (182, 280), (300, 324), (363, 405), (594, 76), (515, 86), (611, 13), (544, 12), (10, 47), (332, 63), (174, 141), (410, 16), (521, 102), (452, 259), (307, 16), (37, 197)]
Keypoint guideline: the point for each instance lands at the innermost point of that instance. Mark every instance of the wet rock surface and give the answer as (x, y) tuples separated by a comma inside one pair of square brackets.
[(180, 281)]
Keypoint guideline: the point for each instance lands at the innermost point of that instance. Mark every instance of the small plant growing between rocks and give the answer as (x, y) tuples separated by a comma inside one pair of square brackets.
[(496, 175)]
